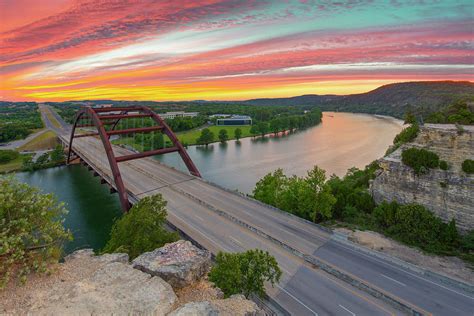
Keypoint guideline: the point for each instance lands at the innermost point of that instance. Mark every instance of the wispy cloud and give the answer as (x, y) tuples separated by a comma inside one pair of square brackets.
[(215, 48)]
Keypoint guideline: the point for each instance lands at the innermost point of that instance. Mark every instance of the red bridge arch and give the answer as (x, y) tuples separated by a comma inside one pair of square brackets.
[(102, 117)]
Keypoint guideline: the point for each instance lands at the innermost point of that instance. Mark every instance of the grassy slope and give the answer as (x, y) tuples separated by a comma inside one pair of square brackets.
[(189, 137), (47, 140)]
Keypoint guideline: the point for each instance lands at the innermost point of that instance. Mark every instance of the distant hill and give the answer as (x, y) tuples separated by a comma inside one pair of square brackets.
[(422, 98)]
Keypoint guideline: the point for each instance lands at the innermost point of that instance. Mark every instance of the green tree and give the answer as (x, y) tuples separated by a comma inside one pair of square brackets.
[(319, 199), (275, 125), (237, 133), (245, 273), (254, 130), (141, 229), (207, 136), (262, 128), (270, 187), (31, 229), (57, 155), (223, 136), (309, 197)]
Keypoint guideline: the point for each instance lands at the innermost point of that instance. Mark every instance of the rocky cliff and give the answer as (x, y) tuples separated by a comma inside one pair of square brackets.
[(447, 193)]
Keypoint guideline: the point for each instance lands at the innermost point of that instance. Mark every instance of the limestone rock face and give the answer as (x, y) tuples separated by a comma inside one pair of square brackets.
[(179, 263), (196, 309), (114, 289), (448, 194)]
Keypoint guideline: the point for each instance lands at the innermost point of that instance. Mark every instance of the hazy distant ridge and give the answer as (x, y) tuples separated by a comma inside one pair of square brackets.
[(393, 99)]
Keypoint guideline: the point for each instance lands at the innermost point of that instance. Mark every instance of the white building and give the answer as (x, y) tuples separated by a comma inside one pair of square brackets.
[(172, 115)]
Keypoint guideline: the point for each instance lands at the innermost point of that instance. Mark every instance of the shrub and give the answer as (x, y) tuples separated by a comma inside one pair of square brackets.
[(443, 165), (245, 273), (31, 229), (417, 226), (420, 159), (407, 135), (467, 241), (384, 214), (141, 229), (468, 166), (8, 155)]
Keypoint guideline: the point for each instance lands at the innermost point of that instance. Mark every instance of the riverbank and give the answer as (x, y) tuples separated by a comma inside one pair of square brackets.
[(189, 138)]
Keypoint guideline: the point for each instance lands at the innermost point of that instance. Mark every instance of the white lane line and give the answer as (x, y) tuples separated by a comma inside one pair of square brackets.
[(347, 310), (402, 284), (197, 216), (235, 240), (286, 271), (202, 235), (404, 271), (296, 299)]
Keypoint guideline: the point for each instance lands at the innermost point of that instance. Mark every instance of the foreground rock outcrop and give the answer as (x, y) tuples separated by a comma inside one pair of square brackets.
[(447, 193), (179, 263), (86, 284), (115, 289)]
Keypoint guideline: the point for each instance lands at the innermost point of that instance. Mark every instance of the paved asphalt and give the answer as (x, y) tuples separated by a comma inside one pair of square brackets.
[(304, 290)]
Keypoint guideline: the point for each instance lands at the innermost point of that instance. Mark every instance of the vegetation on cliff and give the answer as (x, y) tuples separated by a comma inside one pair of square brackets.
[(245, 273), (421, 160), (31, 230), (468, 166), (141, 229)]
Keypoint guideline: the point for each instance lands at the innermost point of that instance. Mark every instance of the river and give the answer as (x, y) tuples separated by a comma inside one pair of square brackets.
[(341, 141)]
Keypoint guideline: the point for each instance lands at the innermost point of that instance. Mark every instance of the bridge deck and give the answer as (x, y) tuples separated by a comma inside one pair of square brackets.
[(205, 213)]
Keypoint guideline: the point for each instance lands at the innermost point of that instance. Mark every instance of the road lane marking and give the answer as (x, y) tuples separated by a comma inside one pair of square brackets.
[(402, 284), (235, 240), (347, 310), (202, 235), (402, 270), (296, 299), (199, 217)]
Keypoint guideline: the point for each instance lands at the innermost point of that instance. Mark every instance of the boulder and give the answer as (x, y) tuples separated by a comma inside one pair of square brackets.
[(114, 289), (237, 305), (179, 263), (196, 309)]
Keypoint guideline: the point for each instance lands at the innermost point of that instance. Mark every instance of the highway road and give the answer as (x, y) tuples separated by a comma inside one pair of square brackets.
[(204, 212)]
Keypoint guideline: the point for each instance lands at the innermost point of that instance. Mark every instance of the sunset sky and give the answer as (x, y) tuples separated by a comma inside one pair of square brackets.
[(54, 50)]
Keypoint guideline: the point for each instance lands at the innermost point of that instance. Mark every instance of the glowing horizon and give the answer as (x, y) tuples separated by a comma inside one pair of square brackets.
[(227, 49)]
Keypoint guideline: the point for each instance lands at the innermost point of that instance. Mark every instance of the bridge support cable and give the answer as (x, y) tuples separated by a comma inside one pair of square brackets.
[(106, 123)]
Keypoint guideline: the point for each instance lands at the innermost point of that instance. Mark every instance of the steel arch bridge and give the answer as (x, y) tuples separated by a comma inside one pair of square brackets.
[(106, 122)]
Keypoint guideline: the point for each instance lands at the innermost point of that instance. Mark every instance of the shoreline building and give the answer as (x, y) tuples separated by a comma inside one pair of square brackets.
[(172, 115), (235, 120)]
